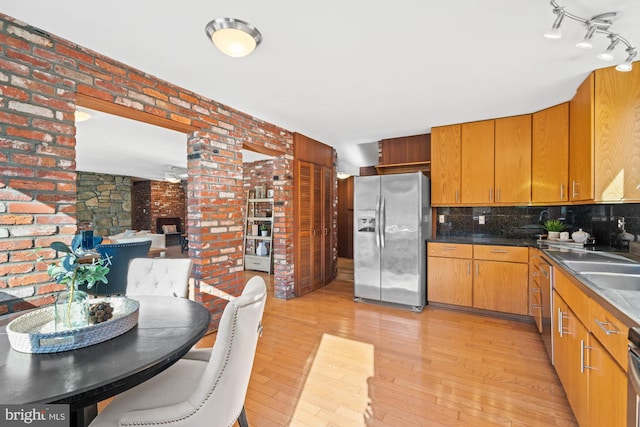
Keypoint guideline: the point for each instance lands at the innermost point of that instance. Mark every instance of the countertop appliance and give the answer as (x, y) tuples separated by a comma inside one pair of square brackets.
[(546, 300), (392, 221), (633, 388)]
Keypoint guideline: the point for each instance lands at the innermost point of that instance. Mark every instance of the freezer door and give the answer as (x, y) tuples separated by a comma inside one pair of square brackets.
[(403, 256), (366, 251)]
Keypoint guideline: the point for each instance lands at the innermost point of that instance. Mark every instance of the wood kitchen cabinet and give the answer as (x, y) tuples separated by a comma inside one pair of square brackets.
[(445, 165), (477, 162), (500, 281), (590, 350), (480, 276), (550, 155), (535, 294), (449, 275), (406, 149), (513, 160), (581, 142), (617, 135)]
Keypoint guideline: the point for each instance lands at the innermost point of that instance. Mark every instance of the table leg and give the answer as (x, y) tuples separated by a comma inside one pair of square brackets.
[(83, 416)]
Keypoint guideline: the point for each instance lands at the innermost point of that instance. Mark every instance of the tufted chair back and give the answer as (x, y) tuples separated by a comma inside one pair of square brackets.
[(159, 276)]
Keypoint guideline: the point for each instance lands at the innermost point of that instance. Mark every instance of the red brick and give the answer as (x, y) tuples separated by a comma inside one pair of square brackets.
[(51, 288), (33, 207), (57, 127), (6, 269), (95, 93), (30, 160), (16, 220), (29, 134), (33, 303), (55, 219), (109, 67), (73, 53), (15, 93), (26, 255)]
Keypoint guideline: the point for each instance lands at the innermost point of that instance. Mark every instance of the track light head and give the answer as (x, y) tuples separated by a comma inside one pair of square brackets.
[(554, 32), (586, 42), (607, 55), (627, 64)]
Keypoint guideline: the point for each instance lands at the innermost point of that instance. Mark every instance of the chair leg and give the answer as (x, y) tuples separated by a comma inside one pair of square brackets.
[(242, 419)]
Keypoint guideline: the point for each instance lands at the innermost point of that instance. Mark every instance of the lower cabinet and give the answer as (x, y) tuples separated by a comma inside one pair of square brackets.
[(595, 384), (480, 276)]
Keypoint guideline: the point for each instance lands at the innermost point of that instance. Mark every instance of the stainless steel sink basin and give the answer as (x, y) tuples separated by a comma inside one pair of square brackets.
[(622, 282), (604, 267)]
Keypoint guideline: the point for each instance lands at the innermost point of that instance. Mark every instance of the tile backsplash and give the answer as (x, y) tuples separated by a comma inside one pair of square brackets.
[(601, 221)]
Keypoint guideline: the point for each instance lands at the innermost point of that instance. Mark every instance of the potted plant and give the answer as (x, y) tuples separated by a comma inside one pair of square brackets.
[(554, 227), (71, 306), (264, 230)]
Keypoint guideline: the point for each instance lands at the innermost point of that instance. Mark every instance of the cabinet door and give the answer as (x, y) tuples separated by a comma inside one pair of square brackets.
[(327, 195), (449, 281), (513, 159), (501, 286), (570, 355), (581, 142), (445, 165), (304, 216), (476, 162), (617, 135), (550, 160), (607, 388)]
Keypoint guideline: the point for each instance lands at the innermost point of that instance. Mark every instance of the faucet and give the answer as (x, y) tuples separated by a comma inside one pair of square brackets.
[(543, 214), (621, 224)]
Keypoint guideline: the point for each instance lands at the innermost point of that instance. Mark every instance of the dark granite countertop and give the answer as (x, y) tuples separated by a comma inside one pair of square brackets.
[(485, 241)]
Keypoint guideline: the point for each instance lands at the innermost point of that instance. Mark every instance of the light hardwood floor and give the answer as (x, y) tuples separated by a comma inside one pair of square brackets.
[(324, 360)]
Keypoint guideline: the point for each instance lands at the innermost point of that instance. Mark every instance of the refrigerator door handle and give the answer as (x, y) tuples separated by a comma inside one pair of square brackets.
[(383, 221), (377, 221)]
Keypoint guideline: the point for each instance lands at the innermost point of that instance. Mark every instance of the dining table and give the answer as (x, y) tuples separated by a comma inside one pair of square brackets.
[(167, 328)]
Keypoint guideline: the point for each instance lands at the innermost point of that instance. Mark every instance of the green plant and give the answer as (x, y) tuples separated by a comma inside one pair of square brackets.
[(554, 225), (264, 227), (71, 272)]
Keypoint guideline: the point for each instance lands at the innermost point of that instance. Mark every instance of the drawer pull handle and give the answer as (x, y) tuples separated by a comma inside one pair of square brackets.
[(499, 251), (603, 326), (582, 349)]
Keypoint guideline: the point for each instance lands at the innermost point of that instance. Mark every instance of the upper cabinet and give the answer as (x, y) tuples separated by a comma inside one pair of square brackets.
[(445, 165), (477, 162), (513, 160), (581, 112), (549, 162), (405, 154), (617, 135)]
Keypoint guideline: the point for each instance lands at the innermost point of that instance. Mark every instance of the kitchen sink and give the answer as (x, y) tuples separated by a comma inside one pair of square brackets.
[(622, 282), (603, 267)]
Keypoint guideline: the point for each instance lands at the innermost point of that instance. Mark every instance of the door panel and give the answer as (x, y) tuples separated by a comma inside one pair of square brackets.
[(366, 253)]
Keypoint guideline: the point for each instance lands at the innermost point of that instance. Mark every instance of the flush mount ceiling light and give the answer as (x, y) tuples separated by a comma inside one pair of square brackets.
[(598, 24), (233, 37), (81, 115)]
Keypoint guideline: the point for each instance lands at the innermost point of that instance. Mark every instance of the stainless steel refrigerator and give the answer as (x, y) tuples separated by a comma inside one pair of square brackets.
[(392, 220)]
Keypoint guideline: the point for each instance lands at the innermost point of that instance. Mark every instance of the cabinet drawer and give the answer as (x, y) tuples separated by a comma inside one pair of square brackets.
[(610, 332), (574, 297), (450, 250), (256, 263), (501, 253)]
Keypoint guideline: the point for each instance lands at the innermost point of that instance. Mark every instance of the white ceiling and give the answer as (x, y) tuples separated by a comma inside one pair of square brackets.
[(347, 73)]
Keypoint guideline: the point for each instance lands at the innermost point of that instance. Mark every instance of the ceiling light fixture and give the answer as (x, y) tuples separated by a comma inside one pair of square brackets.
[(598, 24), (233, 37)]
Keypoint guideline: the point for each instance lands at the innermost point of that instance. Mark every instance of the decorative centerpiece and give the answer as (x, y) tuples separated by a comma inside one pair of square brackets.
[(264, 230), (72, 305), (554, 227)]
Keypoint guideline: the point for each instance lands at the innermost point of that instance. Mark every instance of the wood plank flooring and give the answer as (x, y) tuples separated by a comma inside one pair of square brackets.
[(324, 360)]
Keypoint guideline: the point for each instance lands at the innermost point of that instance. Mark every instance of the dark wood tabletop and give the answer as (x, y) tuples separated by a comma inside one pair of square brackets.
[(167, 328)]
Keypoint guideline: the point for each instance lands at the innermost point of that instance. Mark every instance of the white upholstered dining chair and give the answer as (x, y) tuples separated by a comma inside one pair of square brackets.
[(159, 276), (208, 386)]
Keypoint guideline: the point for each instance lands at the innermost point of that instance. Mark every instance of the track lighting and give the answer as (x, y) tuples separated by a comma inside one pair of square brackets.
[(598, 24)]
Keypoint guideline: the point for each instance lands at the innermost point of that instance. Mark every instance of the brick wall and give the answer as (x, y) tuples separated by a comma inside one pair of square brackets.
[(168, 200), (141, 205), (40, 78)]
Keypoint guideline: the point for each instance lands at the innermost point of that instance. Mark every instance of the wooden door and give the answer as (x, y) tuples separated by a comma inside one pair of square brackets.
[(449, 281), (617, 135), (513, 159), (477, 160), (550, 155), (607, 388), (501, 286), (304, 228), (581, 142), (317, 237), (445, 165)]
